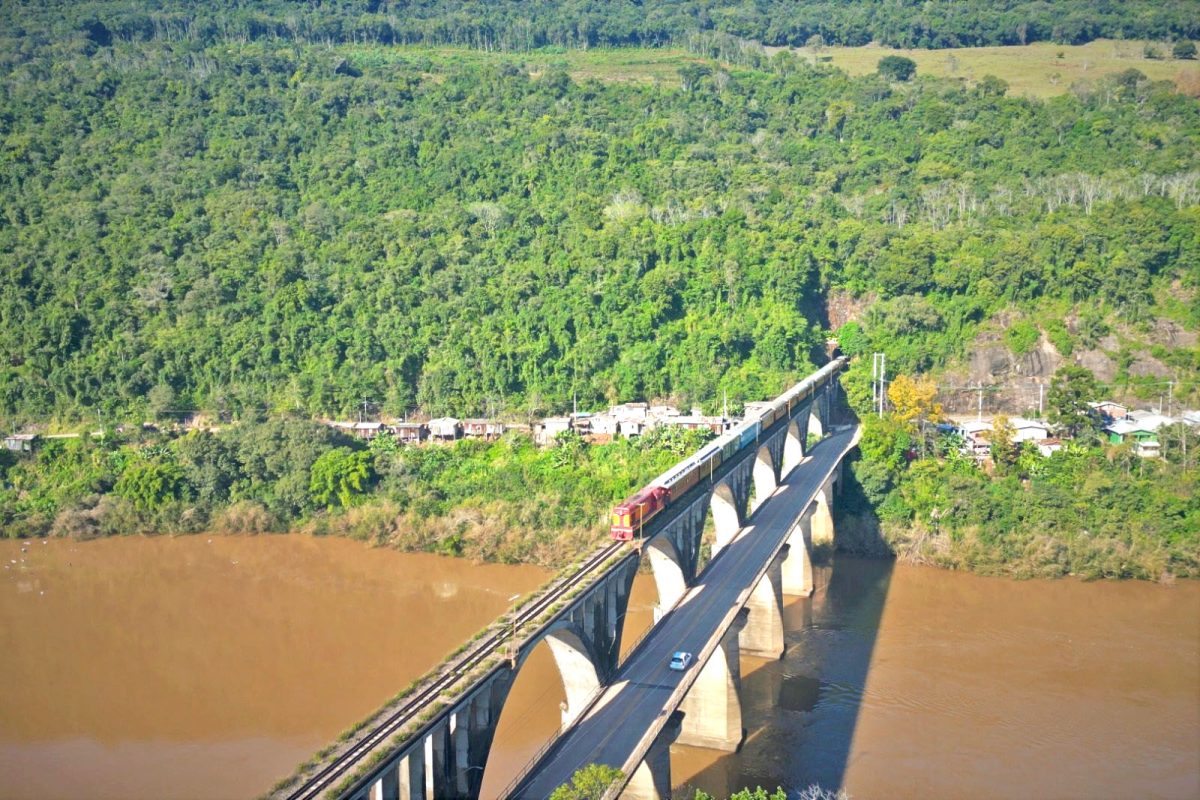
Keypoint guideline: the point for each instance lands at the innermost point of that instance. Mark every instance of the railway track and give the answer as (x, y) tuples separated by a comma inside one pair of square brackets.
[(484, 649)]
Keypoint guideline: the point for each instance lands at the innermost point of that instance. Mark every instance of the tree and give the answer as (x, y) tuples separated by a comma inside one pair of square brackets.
[(1071, 389), (897, 68), (588, 783), (1004, 449), (913, 401), (991, 86), (1184, 49), (150, 484), (340, 474)]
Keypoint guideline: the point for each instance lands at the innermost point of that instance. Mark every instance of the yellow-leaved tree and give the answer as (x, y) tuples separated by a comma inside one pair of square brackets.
[(913, 401)]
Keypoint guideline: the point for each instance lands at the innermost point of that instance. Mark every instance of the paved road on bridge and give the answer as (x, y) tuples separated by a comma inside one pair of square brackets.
[(636, 701)]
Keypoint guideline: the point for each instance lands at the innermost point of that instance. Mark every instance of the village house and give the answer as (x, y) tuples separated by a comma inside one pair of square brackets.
[(409, 432), (21, 442), (486, 429), (1143, 437), (1028, 430), (974, 434), (549, 428), (444, 429), (1109, 409)]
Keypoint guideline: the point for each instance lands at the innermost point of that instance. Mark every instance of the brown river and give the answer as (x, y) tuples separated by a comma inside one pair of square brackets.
[(207, 667)]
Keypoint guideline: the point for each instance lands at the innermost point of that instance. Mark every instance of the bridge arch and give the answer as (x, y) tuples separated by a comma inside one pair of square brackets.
[(669, 577), (765, 476), (794, 445), (727, 520)]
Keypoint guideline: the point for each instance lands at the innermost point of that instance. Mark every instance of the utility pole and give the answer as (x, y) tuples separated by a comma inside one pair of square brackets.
[(882, 382), (979, 408), (1170, 396), (1041, 392), (878, 380)]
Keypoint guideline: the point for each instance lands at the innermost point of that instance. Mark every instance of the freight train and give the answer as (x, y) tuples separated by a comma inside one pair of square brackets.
[(631, 517)]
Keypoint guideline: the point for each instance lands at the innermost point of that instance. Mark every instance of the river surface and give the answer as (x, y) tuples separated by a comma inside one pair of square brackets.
[(200, 667), (903, 681)]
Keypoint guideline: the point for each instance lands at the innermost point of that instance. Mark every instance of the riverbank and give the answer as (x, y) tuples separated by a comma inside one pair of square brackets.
[(1087, 511), (507, 501)]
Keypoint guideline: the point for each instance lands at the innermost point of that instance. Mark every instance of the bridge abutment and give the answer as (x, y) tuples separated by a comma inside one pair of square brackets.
[(763, 634), (712, 708), (651, 780)]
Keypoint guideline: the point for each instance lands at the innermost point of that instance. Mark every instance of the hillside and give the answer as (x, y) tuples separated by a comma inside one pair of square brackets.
[(264, 226)]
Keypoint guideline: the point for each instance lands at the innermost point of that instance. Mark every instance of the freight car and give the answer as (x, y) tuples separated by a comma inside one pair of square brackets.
[(631, 516)]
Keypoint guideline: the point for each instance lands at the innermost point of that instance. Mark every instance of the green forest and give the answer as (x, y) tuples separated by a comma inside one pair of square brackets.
[(264, 214), (266, 227), (531, 24)]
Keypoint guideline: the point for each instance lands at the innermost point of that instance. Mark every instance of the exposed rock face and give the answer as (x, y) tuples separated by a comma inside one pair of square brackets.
[(992, 362)]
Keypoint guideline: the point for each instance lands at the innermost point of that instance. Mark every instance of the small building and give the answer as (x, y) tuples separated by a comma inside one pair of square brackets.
[(551, 427), (974, 435), (630, 411), (1150, 420), (21, 442), (1028, 430), (632, 427), (1143, 438), (482, 429), (1048, 447), (1109, 409), (367, 430), (409, 432), (444, 429), (602, 425)]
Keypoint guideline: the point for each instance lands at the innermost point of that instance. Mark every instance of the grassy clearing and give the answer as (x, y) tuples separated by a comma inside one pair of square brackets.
[(1036, 70)]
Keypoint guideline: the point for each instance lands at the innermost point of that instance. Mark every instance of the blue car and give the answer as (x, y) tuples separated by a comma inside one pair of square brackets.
[(681, 661)]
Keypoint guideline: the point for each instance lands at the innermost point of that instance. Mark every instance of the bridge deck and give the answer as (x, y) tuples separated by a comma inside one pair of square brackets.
[(628, 715)]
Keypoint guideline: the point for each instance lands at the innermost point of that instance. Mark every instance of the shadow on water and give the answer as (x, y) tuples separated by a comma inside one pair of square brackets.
[(801, 712)]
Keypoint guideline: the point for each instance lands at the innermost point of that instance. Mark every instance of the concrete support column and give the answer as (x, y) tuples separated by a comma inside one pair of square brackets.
[(796, 571), (388, 785), (726, 519), (651, 780), (764, 477), (460, 753), (793, 449), (578, 673), (668, 575), (763, 634), (412, 774), (822, 516), (435, 762), (712, 708)]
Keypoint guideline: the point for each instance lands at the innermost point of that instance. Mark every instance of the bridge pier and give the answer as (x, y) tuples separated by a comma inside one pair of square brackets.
[(765, 478), (763, 634), (712, 708), (796, 572), (668, 575), (822, 516), (794, 445), (651, 780)]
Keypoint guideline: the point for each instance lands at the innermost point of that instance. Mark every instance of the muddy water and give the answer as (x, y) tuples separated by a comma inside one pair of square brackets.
[(199, 668), (209, 667), (913, 682)]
